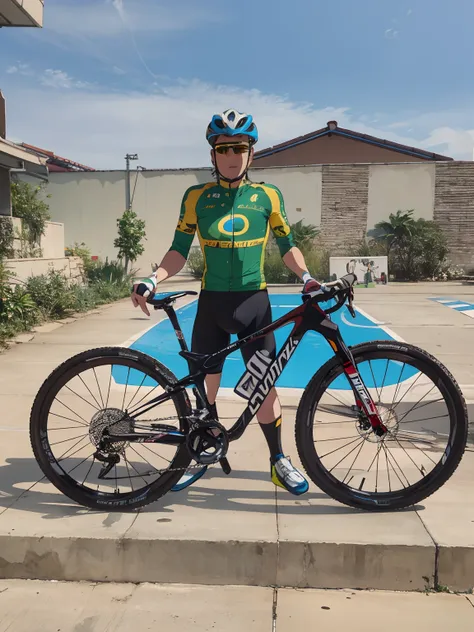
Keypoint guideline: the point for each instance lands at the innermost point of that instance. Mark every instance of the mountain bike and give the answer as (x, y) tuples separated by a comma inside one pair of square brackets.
[(380, 426)]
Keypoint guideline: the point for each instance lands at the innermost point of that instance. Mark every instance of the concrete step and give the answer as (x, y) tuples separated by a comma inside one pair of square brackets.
[(28, 606)]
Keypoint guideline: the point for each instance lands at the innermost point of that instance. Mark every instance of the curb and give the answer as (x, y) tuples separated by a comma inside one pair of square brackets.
[(248, 563), (277, 564)]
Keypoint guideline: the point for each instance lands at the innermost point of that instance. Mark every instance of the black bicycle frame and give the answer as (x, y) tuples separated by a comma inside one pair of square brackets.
[(260, 375)]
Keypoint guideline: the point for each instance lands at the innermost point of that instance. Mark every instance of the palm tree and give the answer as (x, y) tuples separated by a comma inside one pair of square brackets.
[(399, 226)]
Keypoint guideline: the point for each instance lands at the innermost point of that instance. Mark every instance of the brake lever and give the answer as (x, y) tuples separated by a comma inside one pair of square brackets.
[(349, 303)]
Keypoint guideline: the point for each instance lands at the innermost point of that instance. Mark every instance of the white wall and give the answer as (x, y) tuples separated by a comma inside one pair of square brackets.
[(400, 187), (89, 203)]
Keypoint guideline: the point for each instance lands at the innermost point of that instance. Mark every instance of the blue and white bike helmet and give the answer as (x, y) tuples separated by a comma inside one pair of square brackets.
[(231, 123)]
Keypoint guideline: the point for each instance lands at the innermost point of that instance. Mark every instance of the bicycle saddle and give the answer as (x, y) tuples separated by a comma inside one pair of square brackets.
[(166, 298)]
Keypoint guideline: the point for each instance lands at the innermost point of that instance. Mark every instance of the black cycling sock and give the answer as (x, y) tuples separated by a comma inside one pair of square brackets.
[(272, 434)]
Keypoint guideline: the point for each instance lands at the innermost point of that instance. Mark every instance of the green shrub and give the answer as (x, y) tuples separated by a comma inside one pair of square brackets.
[(196, 263), (18, 305), (113, 272), (52, 293), (31, 208), (6, 237)]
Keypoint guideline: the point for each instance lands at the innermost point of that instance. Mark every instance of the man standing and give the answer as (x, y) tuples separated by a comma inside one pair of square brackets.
[(233, 218)]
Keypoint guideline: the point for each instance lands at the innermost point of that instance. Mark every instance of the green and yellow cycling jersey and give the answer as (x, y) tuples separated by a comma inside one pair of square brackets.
[(233, 226)]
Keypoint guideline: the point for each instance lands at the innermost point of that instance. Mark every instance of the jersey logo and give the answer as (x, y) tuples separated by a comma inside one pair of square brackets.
[(214, 195), (236, 225), (254, 198)]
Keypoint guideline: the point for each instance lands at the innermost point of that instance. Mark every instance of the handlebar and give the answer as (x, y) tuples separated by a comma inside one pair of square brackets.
[(342, 290)]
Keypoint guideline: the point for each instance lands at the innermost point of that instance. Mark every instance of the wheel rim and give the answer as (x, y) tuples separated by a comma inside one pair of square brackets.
[(415, 407), (90, 397)]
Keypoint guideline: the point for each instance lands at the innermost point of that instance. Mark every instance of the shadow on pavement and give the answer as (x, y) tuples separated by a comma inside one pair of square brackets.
[(54, 505)]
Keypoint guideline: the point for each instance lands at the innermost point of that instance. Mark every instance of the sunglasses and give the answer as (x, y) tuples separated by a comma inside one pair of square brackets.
[(237, 149)]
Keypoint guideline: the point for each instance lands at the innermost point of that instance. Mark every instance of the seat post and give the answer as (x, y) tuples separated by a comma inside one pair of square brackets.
[(177, 329)]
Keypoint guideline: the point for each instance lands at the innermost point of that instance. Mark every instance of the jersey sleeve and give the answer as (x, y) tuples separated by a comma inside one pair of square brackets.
[(279, 221), (187, 223)]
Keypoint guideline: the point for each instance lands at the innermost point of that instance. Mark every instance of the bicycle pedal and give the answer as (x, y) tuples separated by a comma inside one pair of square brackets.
[(225, 465)]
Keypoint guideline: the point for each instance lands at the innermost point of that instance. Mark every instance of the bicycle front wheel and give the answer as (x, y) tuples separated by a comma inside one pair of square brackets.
[(96, 392), (419, 403)]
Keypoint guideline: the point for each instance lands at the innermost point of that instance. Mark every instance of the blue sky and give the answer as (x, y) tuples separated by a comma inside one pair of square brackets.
[(106, 77)]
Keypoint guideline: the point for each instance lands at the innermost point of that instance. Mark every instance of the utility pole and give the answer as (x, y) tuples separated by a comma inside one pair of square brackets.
[(128, 157)]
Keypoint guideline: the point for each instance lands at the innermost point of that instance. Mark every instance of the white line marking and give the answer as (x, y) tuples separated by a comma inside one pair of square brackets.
[(377, 322), (456, 305), (444, 301), (468, 312), (347, 322)]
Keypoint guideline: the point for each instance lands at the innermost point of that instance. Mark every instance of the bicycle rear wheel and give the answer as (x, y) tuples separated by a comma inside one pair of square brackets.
[(422, 407), (89, 392)]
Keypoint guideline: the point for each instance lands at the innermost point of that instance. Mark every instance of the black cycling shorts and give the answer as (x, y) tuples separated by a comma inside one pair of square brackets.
[(221, 314)]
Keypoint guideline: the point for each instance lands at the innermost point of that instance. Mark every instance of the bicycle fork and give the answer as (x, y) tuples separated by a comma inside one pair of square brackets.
[(364, 401)]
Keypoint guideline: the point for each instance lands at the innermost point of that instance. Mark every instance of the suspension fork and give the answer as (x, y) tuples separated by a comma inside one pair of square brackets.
[(363, 398)]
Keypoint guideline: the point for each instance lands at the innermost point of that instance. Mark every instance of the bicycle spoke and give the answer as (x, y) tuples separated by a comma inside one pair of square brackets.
[(92, 394), (345, 457), (142, 457), (144, 396), (73, 411), (408, 390), (79, 423), (416, 407), (136, 392), (341, 448), (128, 470), (377, 473), (88, 471), (383, 381), (134, 468), (335, 439), (375, 383), (110, 384), (65, 454), (98, 387), (418, 448), (66, 440), (338, 400), (76, 466), (388, 468), (398, 384), (414, 421), (409, 456), (338, 412), (80, 397), (392, 456), (355, 459), (125, 392), (153, 452)]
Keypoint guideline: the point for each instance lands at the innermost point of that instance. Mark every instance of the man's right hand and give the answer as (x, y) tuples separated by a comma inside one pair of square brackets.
[(142, 291)]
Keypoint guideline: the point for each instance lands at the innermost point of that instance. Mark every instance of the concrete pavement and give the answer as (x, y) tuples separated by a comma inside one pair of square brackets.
[(236, 529), (83, 607)]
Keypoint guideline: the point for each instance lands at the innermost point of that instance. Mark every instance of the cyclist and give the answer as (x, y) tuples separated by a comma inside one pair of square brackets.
[(233, 217)]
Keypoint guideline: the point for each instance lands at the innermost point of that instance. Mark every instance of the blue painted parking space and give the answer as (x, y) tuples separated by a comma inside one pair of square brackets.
[(161, 343), (457, 305)]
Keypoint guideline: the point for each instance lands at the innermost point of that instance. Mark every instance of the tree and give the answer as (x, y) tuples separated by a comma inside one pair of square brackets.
[(400, 225), (33, 211), (303, 235), (131, 231)]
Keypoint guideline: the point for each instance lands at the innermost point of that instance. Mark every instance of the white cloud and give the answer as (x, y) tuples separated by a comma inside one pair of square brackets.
[(391, 34), (410, 11), (167, 129), (20, 69), (60, 79)]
